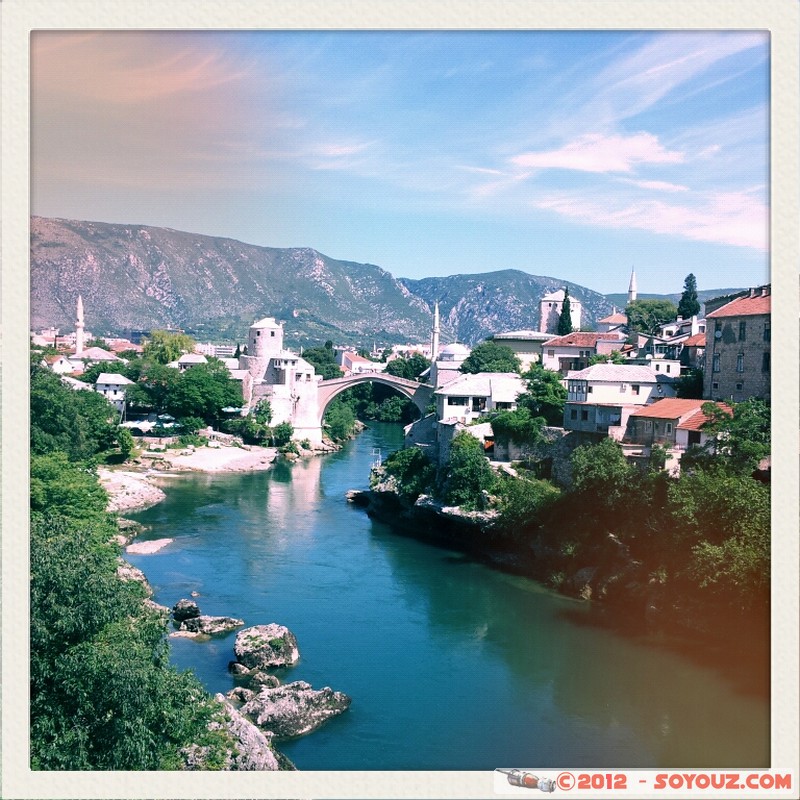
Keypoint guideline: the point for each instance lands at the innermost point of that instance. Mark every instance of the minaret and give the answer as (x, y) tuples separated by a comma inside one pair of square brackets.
[(79, 328), (632, 287), (435, 332)]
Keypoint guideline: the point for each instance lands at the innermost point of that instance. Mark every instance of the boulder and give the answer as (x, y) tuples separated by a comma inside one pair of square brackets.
[(270, 645), (240, 695), (185, 609), (294, 709), (235, 668), (259, 679), (210, 625)]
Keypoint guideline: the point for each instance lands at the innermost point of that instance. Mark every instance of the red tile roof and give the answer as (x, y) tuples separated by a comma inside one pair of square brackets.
[(582, 339), (675, 408), (615, 318), (743, 307), (698, 340)]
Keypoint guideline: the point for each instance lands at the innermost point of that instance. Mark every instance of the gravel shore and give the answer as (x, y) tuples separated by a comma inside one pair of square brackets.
[(130, 489)]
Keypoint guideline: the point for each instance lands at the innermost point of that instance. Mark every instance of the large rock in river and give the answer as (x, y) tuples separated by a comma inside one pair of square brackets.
[(210, 625), (294, 709), (185, 609), (270, 645)]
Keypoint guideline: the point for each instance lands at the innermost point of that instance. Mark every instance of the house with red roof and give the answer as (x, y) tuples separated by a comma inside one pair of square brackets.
[(738, 348), (573, 351), (675, 423)]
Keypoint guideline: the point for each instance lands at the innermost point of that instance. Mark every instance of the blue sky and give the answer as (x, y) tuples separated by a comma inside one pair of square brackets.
[(572, 154)]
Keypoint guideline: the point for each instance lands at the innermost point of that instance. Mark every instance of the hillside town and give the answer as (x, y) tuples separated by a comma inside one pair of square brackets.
[(643, 383)]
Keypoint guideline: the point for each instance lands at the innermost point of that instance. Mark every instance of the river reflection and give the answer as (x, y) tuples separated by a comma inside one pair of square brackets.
[(450, 665)]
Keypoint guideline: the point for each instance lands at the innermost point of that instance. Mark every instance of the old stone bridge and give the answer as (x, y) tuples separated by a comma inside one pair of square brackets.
[(419, 393)]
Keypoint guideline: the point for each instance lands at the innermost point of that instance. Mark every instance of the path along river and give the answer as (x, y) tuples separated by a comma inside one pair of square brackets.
[(450, 664)]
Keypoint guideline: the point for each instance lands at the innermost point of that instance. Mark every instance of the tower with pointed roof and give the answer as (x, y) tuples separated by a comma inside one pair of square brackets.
[(79, 328), (632, 293), (435, 332)]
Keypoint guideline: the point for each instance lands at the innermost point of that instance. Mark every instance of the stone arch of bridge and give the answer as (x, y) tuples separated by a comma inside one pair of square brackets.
[(419, 393)]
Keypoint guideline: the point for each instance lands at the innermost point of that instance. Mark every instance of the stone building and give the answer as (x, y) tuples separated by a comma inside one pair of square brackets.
[(282, 377), (738, 348), (550, 311)]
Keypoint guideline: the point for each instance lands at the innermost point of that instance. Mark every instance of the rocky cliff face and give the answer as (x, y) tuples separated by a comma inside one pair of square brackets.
[(141, 277)]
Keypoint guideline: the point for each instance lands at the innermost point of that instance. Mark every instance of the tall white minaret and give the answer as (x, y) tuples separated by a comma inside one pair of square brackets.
[(632, 287), (435, 332), (79, 328)]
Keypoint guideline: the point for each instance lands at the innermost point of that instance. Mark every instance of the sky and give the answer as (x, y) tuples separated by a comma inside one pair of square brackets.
[(577, 155)]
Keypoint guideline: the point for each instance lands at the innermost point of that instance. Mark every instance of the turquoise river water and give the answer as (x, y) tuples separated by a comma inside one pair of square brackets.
[(451, 665)]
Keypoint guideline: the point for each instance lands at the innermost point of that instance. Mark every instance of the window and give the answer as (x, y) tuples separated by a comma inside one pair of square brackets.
[(634, 388), (669, 367), (551, 353), (715, 363), (667, 427), (573, 413), (765, 362), (458, 401), (584, 414), (739, 387), (648, 424), (740, 362), (715, 385), (742, 330), (589, 390), (767, 333), (272, 333)]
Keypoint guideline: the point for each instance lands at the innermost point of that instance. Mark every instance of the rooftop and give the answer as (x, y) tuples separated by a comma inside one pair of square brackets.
[(619, 373), (745, 306), (675, 408), (584, 339), (502, 386)]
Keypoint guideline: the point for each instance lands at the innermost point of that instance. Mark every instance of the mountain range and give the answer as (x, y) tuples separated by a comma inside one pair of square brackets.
[(135, 277)]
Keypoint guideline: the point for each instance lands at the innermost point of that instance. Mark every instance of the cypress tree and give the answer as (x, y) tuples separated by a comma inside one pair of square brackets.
[(565, 320), (689, 304)]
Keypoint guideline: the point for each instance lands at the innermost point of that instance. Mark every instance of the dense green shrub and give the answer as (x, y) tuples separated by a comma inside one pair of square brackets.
[(413, 471), (468, 474)]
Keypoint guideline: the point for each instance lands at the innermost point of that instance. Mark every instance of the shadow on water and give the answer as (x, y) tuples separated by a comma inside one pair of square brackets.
[(741, 659)]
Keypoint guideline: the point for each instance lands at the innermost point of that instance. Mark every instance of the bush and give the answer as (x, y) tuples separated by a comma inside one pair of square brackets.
[(282, 434), (413, 472), (467, 474)]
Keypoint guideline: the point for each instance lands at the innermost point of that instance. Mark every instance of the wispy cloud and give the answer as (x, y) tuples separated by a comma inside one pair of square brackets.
[(729, 218), (594, 152), (658, 186)]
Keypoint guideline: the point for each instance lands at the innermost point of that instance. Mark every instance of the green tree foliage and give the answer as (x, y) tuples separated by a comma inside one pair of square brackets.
[(689, 305), (690, 384), (82, 424), (646, 316), (545, 396), (323, 360), (90, 374), (203, 391), (723, 518), (518, 426), (166, 346), (282, 434), (413, 472), (565, 318), (614, 357), (523, 505), (491, 356), (410, 368), (601, 473), (339, 420), (740, 440), (467, 474)]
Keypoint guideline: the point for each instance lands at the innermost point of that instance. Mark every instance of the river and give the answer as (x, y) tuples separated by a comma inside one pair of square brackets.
[(451, 665)]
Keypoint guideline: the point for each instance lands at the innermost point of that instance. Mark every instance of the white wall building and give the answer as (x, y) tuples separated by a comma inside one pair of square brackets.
[(113, 388), (467, 397)]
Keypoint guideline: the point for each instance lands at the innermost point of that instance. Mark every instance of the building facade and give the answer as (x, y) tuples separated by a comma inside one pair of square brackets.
[(738, 355)]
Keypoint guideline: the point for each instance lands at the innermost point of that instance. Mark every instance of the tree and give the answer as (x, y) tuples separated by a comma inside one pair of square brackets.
[(545, 396), (90, 374), (413, 472), (491, 356), (203, 391), (467, 474), (690, 384), (646, 316), (740, 440), (614, 357), (282, 434), (602, 472), (565, 318), (408, 367), (166, 346), (689, 305), (339, 420), (81, 424), (323, 361), (238, 351)]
